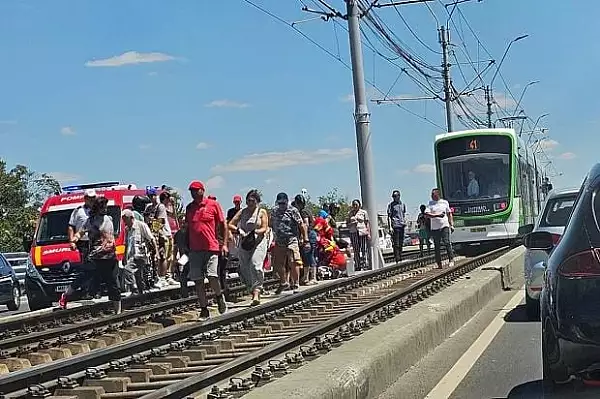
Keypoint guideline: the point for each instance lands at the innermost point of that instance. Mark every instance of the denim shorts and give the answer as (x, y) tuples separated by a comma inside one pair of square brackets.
[(308, 256)]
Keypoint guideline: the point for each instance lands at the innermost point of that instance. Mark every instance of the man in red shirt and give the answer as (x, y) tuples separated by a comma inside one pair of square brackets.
[(205, 218)]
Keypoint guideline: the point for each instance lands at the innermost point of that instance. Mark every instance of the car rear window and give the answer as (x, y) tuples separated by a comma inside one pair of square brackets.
[(557, 211)]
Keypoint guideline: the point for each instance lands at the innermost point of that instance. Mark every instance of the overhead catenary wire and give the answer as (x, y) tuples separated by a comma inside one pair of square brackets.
[(414, 33), (332, 55)]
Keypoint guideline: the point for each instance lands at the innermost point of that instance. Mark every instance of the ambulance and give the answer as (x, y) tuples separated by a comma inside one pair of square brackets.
[(52, 265)]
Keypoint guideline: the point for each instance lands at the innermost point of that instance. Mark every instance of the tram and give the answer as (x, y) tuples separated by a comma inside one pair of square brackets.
[(491, 180)]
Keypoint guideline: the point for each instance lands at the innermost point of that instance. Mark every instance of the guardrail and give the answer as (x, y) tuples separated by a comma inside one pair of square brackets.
[(18, 261)]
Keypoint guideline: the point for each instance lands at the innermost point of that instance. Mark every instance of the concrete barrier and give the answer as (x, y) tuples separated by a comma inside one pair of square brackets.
[(368, 364)]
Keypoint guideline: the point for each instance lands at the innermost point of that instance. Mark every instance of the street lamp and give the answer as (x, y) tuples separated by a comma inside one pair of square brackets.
[(538, 120), (532, 133), (523, 94), (488, 88), (516, 39)]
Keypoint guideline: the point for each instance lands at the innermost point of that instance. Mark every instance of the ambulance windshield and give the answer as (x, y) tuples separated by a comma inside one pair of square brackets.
[(54, 225)]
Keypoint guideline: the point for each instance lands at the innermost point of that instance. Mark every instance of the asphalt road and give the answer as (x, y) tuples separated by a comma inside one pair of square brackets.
[(24, 308), (476, 364)]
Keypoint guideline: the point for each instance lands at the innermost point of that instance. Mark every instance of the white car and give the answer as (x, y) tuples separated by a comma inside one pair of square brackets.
[(553, 219), (385, 240)]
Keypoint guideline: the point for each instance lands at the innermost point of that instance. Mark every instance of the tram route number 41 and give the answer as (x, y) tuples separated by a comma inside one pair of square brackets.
[(473, 145)]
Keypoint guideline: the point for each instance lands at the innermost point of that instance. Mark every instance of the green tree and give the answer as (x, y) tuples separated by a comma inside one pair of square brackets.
[(22, 193), (179, 205), (335, 197)]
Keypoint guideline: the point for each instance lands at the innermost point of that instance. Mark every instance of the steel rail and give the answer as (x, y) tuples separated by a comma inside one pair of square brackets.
[(130, 302), (204, 380), (20, 380), (142, 306), (133, 314)]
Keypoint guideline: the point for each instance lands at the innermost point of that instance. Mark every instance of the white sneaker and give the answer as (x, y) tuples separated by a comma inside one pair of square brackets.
[(171, 281), (161, 283)]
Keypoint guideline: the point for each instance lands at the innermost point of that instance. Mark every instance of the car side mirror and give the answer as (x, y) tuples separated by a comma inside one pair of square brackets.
[(27, 243), (524, 230), (541, 240)]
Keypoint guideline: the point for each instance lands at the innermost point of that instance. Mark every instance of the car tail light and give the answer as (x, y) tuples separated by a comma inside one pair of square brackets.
[(583, 264), (556, 239)]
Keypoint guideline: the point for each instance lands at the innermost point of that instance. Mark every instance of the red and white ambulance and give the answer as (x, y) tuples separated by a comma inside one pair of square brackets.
[(53, 265)]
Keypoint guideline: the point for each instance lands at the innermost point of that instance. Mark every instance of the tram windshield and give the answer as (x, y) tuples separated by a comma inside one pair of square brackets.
[(476, 176)]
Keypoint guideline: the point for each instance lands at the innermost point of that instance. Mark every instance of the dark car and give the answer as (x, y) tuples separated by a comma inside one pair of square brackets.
[(570, 298), (10, 289)]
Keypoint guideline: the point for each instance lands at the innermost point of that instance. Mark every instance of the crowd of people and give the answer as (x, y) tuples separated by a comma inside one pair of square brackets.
[(303, 246)]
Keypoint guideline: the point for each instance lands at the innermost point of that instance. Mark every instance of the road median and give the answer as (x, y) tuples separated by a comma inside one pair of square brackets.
[(365, 366)]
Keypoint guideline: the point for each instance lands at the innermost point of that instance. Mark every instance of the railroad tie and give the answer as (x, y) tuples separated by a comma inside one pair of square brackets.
[(15, 363), (109, 384), (86, 392)]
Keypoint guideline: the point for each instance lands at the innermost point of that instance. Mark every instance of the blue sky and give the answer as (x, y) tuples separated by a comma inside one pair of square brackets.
[(157, 92)]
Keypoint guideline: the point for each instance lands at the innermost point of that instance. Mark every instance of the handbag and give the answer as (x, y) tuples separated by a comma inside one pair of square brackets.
[(248, 243)]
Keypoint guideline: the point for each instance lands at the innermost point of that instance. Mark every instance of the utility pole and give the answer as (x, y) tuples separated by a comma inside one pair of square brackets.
[(363, 135), (488, 100), (444, 40)]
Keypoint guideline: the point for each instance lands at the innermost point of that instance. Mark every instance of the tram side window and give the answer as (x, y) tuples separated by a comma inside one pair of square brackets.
[(523, 181), (518, 182), (532, 191)]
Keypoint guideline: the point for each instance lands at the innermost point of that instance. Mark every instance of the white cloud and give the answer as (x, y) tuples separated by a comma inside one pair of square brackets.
[(285, 159), (424, 168), (567, 156), (202, 146), (548, 144), (144, 147), (270, 181), (504, 101), (371, 93), (215, 182), (226, 104), (63, 177), (130, 58), (152, 73), (68, 131)]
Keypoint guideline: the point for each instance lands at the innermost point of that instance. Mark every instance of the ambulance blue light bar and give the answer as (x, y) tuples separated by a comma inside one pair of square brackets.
[(81, 187)]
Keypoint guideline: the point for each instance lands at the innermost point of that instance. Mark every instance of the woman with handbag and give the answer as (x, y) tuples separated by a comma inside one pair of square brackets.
[(251, 223), (101, 256)]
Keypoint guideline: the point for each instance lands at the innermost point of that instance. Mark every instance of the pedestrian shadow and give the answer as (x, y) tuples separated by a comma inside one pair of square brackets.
[(535, 390), (518, 315)]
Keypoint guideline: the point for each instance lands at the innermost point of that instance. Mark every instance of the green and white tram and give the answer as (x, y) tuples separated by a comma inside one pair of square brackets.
[(489, 178)]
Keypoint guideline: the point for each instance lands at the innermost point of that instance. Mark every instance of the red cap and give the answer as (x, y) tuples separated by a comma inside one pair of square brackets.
[(196, 185), (237, 198)]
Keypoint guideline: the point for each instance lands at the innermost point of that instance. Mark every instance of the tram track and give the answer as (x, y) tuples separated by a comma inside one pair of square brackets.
[(81, 332), (199, 347), (15, 331)]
